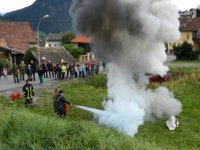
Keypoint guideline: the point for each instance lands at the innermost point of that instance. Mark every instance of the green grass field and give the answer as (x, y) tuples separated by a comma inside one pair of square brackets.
[(38, 128), (188, 69), (187, 61)]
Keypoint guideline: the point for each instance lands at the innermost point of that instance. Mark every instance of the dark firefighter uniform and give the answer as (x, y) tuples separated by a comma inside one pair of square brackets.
[(28, 91), (60, 104)]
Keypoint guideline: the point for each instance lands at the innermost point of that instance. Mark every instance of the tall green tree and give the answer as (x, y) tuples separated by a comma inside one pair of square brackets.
[(66, 38)]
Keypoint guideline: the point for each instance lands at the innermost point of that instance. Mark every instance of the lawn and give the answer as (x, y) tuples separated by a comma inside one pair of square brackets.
[(186, 69), (187, 61), (38, 128)]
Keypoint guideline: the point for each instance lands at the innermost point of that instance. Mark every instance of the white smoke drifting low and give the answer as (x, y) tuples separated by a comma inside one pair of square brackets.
[(129, 35)]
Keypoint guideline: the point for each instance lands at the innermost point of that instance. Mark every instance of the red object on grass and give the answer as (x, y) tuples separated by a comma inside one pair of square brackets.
[(158, 78), (66, 107), (15, 96)]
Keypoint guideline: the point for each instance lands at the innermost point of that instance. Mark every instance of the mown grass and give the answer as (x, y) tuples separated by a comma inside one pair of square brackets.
[(186, 69), (186, 89), (38, 128), (97, 81), (186, 61)]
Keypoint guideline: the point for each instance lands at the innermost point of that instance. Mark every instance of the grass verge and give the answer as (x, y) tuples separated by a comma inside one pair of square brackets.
[(38, 128)]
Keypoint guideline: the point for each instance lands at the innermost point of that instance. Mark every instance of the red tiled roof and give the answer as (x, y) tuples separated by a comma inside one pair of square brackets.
[(81, 39), (192, 24), (17, 35)]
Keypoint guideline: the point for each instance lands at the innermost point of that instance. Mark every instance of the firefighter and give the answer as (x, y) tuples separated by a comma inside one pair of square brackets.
[(28, 91), (61, 104)]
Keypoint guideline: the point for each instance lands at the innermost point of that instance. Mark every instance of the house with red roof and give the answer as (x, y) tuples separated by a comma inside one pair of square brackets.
[(15, 39), (86, 43), (190, 32), (82, 41)]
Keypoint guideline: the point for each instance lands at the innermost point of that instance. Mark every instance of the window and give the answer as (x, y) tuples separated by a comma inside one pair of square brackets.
[(49, 45), (187, 37)]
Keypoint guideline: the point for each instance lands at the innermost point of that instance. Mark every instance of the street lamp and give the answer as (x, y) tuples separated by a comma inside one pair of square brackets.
[(38, 27)]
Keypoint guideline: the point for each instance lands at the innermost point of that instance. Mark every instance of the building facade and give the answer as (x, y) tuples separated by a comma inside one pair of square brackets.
[(52, 40), (190, 32), (15, 39)]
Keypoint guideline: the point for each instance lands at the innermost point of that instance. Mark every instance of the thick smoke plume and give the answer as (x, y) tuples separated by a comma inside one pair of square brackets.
[(129, 35)]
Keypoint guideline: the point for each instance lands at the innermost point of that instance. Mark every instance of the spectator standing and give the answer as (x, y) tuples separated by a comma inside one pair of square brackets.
[(45, 69), (5, 73), (63, 69), (41, 75), (15, 71), (22, 67), (68, 69), (50, 69), (80, 70), (83, 70), (55, 70), (97, 68), (29, 72), (92, 68), (59, 72), (76, 69), (33, 68), (88, 65), (72, 73)]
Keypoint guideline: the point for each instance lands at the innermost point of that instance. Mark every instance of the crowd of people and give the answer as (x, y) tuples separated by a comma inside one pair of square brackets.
[(58, 71), (20, 70), (69, 70)]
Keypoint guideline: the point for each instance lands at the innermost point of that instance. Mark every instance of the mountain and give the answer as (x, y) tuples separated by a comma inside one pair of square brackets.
[(58, 10)]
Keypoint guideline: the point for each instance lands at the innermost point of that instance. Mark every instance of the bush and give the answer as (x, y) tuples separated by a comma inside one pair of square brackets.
[(74, 50), (97, 81), (4, 63), (185, 52)]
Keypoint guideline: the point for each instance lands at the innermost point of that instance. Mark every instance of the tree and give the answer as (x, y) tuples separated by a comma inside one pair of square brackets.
[(4, 63), (184, 51), (74, 50), (28, 55), (41, 34), (66, 38)]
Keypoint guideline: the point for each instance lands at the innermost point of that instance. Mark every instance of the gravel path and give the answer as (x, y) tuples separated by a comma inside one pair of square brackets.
[(7, 86)]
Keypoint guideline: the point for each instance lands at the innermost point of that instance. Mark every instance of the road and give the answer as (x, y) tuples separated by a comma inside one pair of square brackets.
[(7, 86)]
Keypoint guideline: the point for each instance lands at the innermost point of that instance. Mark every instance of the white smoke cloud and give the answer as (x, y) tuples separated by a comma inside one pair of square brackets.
[(198, 6), (130, 36)]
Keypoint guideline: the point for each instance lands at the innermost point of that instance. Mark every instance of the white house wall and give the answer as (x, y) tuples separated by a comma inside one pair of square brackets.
[(53, 44)]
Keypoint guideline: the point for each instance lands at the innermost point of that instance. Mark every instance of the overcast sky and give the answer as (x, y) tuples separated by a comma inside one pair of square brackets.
[(10, 5)]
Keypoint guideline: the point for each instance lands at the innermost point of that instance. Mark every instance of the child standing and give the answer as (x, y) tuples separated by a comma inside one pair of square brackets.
[(4, 72)]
